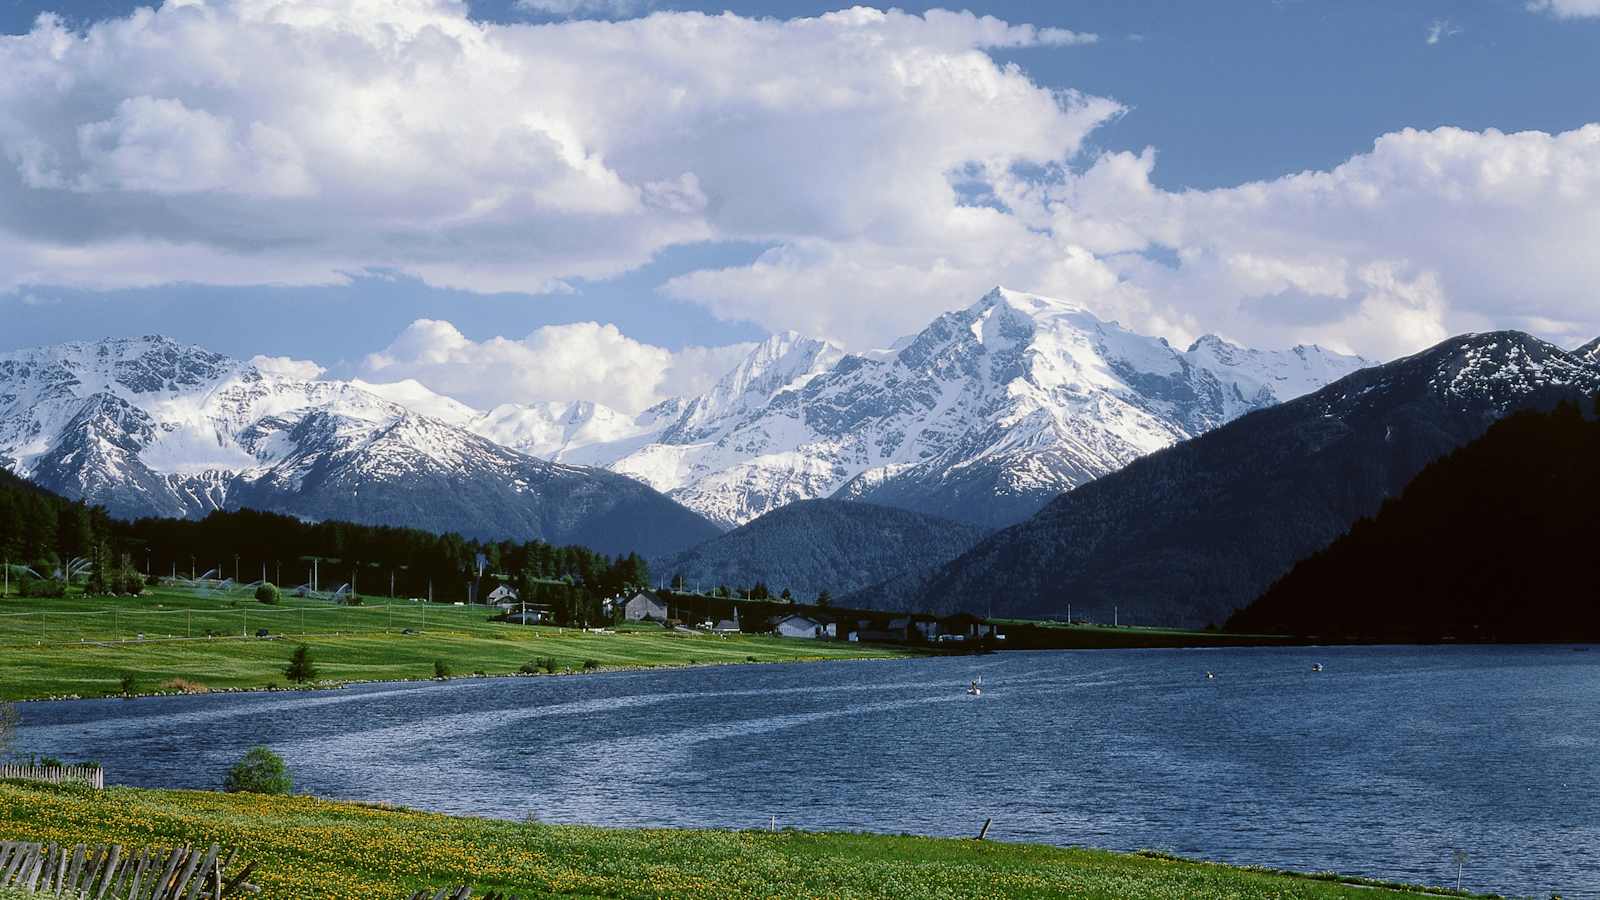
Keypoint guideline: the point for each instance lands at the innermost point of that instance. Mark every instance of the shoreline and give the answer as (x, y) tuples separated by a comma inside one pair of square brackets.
[(892, 652), (540, 859), (343, 684)]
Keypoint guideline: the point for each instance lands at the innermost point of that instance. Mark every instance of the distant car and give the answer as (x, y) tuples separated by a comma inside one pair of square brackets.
[(262, 632)]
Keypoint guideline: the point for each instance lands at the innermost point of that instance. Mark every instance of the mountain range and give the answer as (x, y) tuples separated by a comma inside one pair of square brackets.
[(982, 417), (1187, 535), (149, 427)]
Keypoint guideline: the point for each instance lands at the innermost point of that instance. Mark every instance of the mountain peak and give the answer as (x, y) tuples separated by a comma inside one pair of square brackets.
[(1029, 304)]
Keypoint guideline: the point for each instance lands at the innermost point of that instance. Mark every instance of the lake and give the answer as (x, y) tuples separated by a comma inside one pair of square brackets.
[(1382, 764)]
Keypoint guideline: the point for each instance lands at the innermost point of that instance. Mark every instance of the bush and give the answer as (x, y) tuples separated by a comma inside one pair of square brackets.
[(300, 669), (41, 587), (441, 669), (352, 600), (591, 664), (128, 683), (260, 772), (268, 592)]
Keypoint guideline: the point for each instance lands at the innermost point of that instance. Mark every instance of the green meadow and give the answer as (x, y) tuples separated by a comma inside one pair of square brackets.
[(168, 640), (309, 848)]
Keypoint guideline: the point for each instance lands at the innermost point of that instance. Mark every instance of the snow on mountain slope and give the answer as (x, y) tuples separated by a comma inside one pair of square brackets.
[(417, 397), (982, 417), (146, 426), (580, 432)]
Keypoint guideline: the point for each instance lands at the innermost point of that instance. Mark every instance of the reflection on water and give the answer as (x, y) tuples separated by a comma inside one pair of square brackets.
[(1380, 765)]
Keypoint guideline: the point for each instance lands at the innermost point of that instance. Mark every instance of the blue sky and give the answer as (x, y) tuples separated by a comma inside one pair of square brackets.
[(1226, 93)]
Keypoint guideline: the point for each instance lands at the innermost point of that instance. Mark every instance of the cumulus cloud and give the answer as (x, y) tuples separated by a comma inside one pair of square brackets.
[(890, 166), (296, 141), (288, 367), (580, 361), (1567, 9)]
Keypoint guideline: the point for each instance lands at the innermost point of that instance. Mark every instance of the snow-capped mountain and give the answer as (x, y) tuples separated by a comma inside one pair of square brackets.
[(146, 426), (983, 416), (1188, 536)]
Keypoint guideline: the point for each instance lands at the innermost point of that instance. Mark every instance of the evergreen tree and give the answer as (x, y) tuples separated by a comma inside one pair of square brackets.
[(301, 669)]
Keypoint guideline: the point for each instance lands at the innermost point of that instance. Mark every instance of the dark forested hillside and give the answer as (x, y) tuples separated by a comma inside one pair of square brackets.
[(40, 533), (821, 545), (1188, 535), (1491, 543)]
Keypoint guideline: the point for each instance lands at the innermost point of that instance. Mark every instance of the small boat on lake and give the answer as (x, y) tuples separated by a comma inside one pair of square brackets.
[(976, 688), (1316, 667)]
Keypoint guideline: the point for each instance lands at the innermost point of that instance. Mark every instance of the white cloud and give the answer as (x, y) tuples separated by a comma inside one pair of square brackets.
[(1439, 29), (580, 361), (1430, 233), (1567, 9), (296, 141), (288, 367)]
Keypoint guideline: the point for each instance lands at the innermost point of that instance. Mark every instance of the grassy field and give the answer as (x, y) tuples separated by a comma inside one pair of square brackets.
[(85, 646), (314, 848)]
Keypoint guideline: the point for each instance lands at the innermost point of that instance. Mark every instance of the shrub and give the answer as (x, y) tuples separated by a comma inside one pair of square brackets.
[(441, 669), (185, 686), (260, 772), (268, 593), (529, 668), (41, 587), (591, 664), (352, 600), (128, 683), (301, 669)]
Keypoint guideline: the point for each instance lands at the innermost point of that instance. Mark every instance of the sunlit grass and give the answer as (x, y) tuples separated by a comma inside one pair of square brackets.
[(313, 848), (86, 651)]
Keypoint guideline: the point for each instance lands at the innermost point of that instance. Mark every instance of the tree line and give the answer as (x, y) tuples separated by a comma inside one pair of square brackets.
[(47, 539)]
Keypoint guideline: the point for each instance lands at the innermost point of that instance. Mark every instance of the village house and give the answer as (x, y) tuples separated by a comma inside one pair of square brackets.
[(965, 626), (504, 595), (643, 607), (799, 626)]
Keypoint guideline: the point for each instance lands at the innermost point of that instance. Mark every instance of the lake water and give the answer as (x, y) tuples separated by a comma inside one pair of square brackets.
[(1380, 765)]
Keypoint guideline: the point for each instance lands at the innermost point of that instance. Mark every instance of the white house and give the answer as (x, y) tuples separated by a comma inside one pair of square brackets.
[(798, 626), (645, 607), (503, 595)]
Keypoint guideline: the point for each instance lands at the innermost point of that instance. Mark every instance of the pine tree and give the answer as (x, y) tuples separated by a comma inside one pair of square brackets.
[(300, 669)]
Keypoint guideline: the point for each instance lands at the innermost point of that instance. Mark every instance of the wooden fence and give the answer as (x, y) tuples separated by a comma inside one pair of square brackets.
[(93, 776), (107, 873)]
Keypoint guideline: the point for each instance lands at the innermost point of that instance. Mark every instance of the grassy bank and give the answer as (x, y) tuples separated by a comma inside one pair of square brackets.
[(85, 646), (314, 848)]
